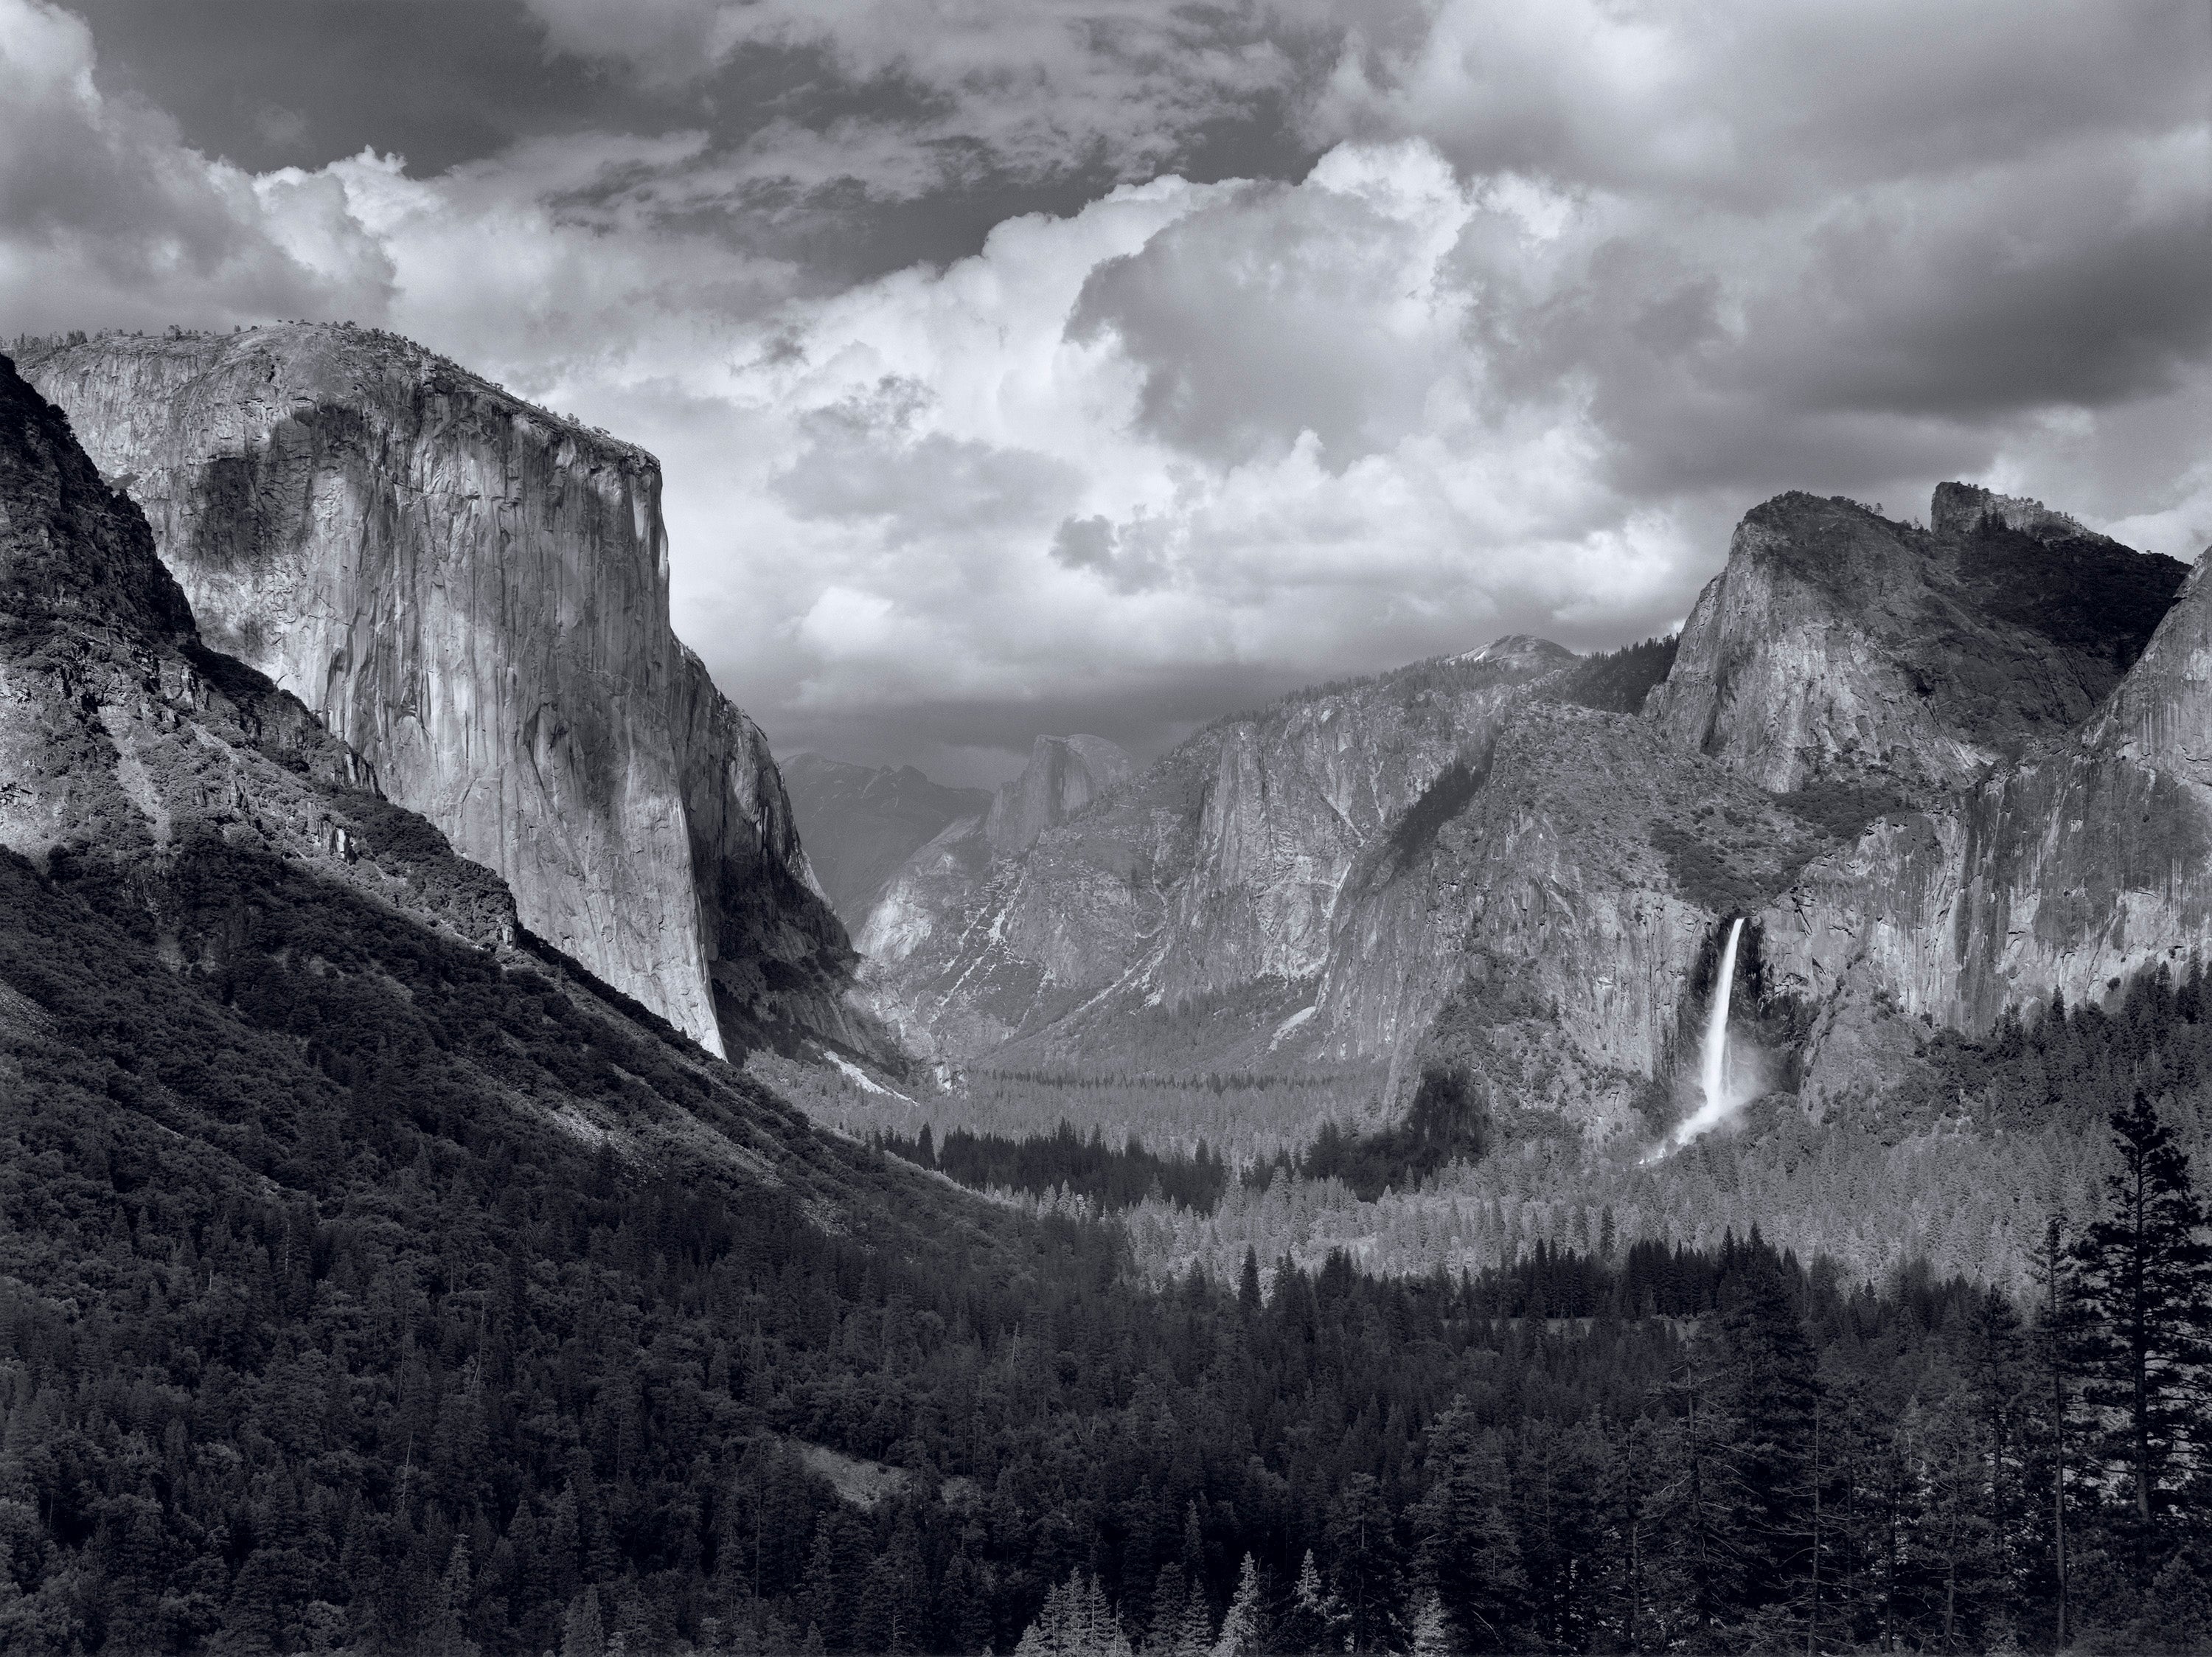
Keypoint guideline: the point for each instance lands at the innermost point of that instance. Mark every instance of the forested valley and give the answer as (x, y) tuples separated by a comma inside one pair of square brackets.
[(309, 1348)]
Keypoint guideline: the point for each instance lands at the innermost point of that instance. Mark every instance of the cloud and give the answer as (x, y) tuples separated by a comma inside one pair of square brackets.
[(1555, 294), (1754, 106), (1115, 88), (104, 211)]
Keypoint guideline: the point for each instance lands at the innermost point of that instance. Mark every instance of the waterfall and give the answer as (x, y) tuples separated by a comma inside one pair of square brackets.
[(1713, 1060)]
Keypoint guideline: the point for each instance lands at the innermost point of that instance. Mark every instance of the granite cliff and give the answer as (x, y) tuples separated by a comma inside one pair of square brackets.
[(231, 962), (126, 745), (1838, 644), (472, 595), (1945, 771), (2086, 859), (1187, 916)]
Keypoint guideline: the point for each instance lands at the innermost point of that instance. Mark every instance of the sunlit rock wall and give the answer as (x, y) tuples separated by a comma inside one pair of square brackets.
[(474, 595)]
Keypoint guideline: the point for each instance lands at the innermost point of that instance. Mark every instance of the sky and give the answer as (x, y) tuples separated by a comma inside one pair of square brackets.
[(1038, 366)]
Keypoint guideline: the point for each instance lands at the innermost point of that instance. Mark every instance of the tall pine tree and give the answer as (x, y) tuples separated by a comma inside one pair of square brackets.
[(2145, 1274)]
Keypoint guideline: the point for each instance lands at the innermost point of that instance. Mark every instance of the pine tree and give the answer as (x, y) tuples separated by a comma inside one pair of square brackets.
[(443, 1632), (1076, 1621), (1470, 1555), (2060, 1332), (1315, 1620), (1181, 1625), (2146, 1273), (1759, 1363), (1242, 1627), (584, 1633), (1363, 1551), (1432, 1631)]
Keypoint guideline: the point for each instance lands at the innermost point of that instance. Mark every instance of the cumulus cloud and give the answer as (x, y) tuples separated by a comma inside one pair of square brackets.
[(104, 211), (1567, 289)]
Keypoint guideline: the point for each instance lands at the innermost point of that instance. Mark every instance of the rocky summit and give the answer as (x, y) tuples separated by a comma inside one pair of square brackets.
[(1840, 644), (471, 594)]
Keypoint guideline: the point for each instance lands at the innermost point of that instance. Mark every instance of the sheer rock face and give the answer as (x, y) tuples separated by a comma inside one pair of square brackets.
[(1450, 861), (2086, 860), (1064, 775), (126, 742), (474, 595), (1543, 933), (1839, 645), (1192, 909)]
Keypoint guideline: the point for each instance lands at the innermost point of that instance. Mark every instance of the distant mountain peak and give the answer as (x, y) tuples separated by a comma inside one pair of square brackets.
[(1064, 775), (1521, 648)]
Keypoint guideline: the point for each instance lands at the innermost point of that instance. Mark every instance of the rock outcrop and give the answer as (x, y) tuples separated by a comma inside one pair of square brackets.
[(1838, 645), (2086, 860), (1193, 910), (125, 743), (222, 947), (860, 823), (473, 594), (1064, 775)]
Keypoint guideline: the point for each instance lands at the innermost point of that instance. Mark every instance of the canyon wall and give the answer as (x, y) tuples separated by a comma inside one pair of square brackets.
[(1185, 918), (2088, 858), (1946, 770), (127, 746), (473, 594), (1840, 645)]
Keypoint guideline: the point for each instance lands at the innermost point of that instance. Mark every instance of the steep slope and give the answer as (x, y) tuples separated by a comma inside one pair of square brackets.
[(1836, 644), (860, 823), (473, 594), (1189, 909), (1552, 930), (404, 1240), (1064, 775), (174, 802), (1861, 742), (2089, 858)]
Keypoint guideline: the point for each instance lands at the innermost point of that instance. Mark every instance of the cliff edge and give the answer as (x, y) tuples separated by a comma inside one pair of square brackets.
[(473, 594)]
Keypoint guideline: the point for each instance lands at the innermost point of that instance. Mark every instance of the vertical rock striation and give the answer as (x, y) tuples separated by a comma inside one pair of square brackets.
[(2088, 859), (1064, 775), (1948, 770), (129, 748), (473, 594), (1192, 910)]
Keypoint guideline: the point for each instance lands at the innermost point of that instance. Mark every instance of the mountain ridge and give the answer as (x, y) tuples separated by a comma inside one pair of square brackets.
[(1539, 892)]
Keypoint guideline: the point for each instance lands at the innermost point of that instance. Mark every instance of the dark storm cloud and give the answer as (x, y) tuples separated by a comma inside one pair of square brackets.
[(801, 129), (1757, 107), (270, 84), (2074, 302)]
